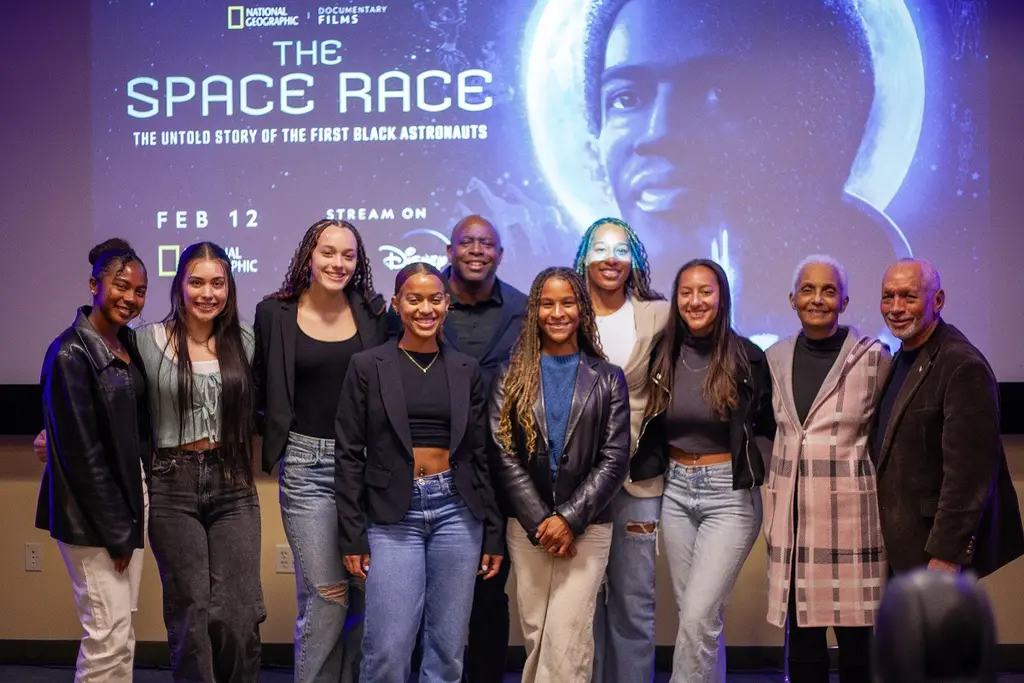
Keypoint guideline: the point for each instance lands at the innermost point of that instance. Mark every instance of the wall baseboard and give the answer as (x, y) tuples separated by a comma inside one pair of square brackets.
[(154, 655)]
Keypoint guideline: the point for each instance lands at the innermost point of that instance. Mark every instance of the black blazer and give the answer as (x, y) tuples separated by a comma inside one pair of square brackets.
[(595, 458), (944, 488), (498, 350), (98, 442), (273, 368), (373, 446), (752, 417)]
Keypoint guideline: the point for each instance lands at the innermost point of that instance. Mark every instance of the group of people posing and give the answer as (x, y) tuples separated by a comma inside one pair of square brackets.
[(425, 447)]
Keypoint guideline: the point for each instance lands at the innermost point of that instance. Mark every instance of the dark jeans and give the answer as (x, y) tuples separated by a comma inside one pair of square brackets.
[(205, 535)]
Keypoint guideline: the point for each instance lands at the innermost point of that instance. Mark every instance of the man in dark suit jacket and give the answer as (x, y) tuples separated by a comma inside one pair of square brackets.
[(944, 490), (483, 321)]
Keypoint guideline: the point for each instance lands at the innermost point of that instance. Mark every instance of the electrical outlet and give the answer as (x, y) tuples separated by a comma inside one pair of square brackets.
[(33, 557), (285, 564)]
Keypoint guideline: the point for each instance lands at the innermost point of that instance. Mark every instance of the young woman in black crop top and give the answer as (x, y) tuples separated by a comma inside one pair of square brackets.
[(711, 395), (306, 334), (417, 514)]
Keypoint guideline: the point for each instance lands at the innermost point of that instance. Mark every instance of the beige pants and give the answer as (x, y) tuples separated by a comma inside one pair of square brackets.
[(105, 600), (556, 598)]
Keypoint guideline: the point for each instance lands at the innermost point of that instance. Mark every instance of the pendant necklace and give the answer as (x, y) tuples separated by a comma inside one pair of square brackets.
[(417, 363)]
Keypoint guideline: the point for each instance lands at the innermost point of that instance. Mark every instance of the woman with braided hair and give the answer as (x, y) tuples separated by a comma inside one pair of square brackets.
[(306, 333), (563, 453), (630, 318)]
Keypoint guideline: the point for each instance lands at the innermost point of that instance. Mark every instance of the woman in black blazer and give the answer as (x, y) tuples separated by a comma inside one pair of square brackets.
[(560, 417), (306, 333), (415, 504)]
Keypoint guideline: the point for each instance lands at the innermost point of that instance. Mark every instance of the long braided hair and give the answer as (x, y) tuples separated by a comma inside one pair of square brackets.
[(638, 283), (522, 381), (298, 278)]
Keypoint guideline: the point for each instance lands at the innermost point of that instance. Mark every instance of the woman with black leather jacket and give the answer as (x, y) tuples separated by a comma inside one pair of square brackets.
[(93, 498), (562, 441), (710, 396)]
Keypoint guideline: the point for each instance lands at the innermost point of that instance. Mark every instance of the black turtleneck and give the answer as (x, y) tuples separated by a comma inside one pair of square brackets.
[(812, 361)]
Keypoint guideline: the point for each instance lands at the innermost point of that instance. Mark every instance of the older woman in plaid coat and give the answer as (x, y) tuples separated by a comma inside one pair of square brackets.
[(821, 517)]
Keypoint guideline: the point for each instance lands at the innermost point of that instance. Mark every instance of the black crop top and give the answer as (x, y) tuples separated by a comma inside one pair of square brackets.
[(691, 424), (427, 399), (320, 368)]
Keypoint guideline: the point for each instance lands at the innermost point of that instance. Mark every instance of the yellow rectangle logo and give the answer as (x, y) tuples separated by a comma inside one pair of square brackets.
[(236, 16)]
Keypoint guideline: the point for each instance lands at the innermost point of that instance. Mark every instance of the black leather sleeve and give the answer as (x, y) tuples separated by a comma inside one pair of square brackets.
[(494, 524), (73, 436), (512, 475), (259, 367), (350, 462), (764, 413), (612, 464)]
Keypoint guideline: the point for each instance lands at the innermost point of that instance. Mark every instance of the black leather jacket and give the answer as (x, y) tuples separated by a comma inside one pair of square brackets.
[(594, 462), (752, 417), (98, 442)]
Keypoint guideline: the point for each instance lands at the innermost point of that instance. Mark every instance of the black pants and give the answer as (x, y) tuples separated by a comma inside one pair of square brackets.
[(807, 646), (205, 534), (487, 649)]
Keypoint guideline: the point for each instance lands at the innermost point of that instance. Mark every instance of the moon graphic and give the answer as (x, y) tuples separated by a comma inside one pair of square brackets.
[(553, 83)]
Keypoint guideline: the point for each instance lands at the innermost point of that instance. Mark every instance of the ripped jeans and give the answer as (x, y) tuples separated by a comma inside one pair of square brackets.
[(329, 627), (624, 620)]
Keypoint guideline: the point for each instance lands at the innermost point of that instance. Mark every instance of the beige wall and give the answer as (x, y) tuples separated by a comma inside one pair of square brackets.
[(37, 605)]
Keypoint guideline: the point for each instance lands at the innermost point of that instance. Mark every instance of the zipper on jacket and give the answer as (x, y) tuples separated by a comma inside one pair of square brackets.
[(647, 420), (749, 436)]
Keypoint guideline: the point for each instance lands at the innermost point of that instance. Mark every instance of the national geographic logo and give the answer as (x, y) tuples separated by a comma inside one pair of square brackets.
[(240, 16)]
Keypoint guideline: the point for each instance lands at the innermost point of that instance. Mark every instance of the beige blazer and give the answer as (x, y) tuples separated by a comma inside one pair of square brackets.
[(650, 318)]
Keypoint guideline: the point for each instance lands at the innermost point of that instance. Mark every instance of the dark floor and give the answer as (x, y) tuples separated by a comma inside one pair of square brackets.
[(38, 674)]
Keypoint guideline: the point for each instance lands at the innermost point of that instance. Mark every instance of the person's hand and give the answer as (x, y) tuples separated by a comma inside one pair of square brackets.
[(39, 446), (358, 565), (489, 566), (943, 566), (121, 563), (555, 535)]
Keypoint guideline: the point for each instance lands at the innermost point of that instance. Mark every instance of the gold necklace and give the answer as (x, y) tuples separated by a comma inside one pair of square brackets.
[(417, 363)]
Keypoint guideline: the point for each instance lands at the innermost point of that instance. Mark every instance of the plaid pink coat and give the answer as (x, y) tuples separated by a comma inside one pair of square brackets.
[(839, 554)]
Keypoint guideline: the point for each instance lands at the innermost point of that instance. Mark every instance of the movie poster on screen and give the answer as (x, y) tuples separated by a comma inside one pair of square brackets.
[(754, 133)]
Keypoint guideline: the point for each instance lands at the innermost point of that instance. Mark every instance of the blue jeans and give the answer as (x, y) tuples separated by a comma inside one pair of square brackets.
[(624, 620), (325, 651), (709, 530), (422, 571)]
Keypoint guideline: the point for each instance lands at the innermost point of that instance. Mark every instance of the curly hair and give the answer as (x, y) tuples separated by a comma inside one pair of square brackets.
[(638, 283), (297, 279), (522, 380)]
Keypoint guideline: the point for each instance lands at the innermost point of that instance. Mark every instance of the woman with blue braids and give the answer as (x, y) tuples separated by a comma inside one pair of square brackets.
[(630, 318)]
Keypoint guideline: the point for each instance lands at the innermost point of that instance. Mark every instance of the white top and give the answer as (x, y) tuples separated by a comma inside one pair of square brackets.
[(618, 334)]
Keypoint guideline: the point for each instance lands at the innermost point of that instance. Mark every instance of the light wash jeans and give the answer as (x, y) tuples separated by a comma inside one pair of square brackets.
[(422, 572), (325, 650), (709, 530), (624, 620)]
